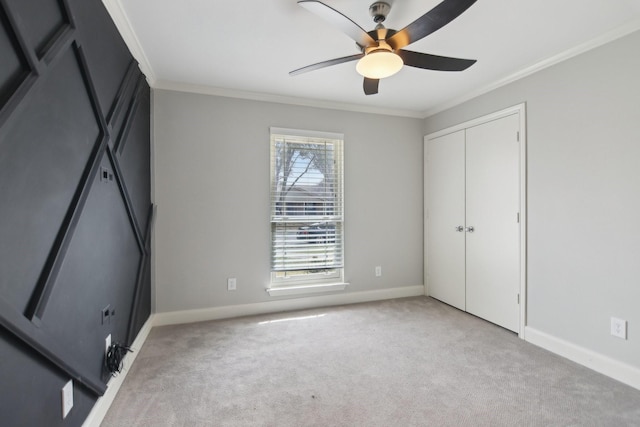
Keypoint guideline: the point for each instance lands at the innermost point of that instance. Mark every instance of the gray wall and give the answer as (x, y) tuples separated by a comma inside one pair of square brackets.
[(212, 191), (583, 121)]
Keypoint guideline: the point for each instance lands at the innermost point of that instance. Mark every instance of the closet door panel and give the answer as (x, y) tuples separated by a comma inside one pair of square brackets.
[(446, 195), (493, 203)]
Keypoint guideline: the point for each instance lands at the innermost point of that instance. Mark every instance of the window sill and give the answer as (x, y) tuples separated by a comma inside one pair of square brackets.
[(306, 289)]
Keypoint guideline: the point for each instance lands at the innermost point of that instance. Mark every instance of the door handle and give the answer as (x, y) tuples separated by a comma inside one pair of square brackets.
[(460, 229), (470, 229)]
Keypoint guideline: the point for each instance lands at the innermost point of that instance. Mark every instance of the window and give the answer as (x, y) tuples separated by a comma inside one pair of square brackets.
[(306, 208)]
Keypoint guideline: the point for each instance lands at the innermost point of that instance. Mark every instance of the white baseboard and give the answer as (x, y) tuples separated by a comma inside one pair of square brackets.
[(214, 313), (615, 369), (99, 410)]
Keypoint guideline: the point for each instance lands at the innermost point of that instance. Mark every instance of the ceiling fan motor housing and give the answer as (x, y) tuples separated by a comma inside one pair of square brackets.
[(379, 10)]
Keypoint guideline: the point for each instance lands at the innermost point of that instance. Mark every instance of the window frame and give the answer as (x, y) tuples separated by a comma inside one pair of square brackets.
[(321, 280)]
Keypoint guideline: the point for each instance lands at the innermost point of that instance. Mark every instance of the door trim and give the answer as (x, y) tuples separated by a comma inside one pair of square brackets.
[(516, 109)]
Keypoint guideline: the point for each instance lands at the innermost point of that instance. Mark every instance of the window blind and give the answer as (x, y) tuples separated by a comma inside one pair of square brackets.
[(306, 203)]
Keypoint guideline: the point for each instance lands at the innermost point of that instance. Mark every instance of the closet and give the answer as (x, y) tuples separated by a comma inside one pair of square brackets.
[(474, 217)]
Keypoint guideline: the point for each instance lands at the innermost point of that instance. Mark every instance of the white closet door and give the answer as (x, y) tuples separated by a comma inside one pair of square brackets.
[(492, 209), (446, 245)]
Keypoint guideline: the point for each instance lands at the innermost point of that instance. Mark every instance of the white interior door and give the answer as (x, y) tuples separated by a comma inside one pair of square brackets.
[(445, 213), (492, 209)]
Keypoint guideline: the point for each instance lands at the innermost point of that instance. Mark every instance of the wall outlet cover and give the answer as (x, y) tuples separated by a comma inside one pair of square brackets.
[(107, 344), (67, 398), (619, 328)]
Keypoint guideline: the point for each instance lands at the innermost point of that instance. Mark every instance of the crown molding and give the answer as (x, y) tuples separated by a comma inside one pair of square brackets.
[(121, 20), (608, 37), (256, 96)]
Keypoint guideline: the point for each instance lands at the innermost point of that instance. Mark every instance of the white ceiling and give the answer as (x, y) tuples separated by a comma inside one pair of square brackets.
[(246, 48)]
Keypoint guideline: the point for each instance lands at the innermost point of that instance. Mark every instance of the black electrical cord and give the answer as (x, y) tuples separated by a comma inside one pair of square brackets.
[(113, 360)]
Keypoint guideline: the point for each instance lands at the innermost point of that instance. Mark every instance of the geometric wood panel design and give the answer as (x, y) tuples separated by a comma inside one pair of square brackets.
[(141, 307), (34, 383), (122, 102), (13, 67), (108, 57), (132, 149), (41, 22), (75, 211), (40, 172), (103, 252)]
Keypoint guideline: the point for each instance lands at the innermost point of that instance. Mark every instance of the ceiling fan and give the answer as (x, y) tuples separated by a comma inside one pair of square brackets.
[(381, 54)]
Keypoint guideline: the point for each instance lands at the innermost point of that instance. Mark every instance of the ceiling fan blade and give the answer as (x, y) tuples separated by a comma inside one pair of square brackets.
[(337, 19), (370, 86), (431, 21), (324, 64), (434, 62)]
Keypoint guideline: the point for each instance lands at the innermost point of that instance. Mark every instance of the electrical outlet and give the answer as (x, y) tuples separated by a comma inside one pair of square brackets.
[(106, 314), (105, 175), (107, 344), (67, 398), (619, 328), (231, 284), (378, 271)]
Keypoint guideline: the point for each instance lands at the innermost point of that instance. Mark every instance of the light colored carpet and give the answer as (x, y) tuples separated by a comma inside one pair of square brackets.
[(406, 362)]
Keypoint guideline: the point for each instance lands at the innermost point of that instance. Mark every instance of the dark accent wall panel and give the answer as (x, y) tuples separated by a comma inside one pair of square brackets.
[(107, 55), (100, 268), (141, 308), (141, 304), (40, 22), (75, 205), (13, 67), (117, 115), (132, 151), (44, 153), (28, 383)]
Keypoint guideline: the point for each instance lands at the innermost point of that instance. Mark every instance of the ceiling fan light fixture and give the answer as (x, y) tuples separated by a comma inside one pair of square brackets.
[(378, 64), (377, 58)]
